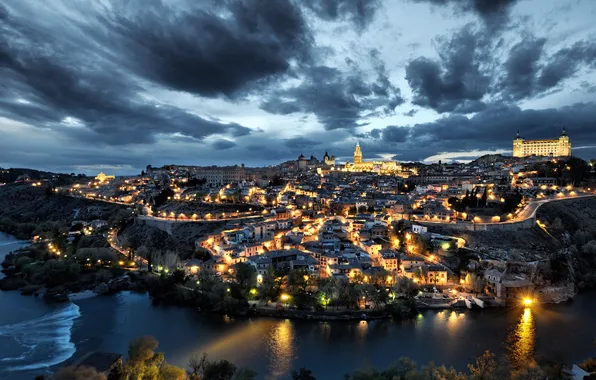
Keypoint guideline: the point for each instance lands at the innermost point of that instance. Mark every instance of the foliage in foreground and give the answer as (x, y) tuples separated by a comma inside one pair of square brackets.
[(144, 363)]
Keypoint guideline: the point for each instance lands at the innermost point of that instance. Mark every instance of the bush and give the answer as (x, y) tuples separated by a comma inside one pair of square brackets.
[(21, 262)]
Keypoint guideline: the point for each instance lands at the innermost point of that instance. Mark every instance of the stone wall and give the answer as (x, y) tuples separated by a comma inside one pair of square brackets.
[(469, 226)]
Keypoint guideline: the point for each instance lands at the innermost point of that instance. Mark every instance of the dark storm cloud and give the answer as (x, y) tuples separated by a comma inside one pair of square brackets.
[(359, 12), (529, 72), (223, 144), (299, 142), (498, 125), (55, 83), (339, 100), (492, 128), (457, 81), (468, 73), (494, 13), (394, 133), (217, 51), (521, 68)]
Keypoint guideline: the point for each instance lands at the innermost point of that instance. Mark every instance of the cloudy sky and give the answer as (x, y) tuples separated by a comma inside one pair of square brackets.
[(115, 85)]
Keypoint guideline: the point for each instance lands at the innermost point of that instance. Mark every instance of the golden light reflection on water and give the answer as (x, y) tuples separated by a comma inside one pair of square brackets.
[(522, 341), (281, 345), (361, 330), (454, 322), (274, 339), (243, 337)]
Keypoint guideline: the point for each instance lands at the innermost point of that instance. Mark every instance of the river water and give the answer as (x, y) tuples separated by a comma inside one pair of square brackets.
[(35, 335)]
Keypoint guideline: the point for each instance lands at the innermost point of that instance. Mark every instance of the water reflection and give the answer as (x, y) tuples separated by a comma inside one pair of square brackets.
[(361, 330), (522, 340), (325, 331), (281, 346), (455, 322)]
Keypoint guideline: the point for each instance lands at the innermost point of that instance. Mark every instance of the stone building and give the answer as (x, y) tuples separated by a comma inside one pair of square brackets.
[(359, 165), (560, 147)]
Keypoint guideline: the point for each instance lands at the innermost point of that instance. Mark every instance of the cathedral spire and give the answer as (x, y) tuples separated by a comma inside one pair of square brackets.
[(357, 154)]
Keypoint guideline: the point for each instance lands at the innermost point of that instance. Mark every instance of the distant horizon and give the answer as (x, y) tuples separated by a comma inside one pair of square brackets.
[(338, 163)]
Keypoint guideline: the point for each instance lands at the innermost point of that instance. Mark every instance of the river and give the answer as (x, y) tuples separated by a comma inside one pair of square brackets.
[(35, 335)]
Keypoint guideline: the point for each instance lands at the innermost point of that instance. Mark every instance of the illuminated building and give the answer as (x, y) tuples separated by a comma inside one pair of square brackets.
[(101, 177), (359, 165), (329, 160), (560, 147)]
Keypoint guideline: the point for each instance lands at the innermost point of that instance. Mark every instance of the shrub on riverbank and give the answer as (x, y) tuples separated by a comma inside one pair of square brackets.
[(34, 267), (288, 292)]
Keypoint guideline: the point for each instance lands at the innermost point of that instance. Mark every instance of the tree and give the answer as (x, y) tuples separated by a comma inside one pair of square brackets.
[(219, 370), (142, 349), (244, 374), (297, 281), (245, 276), (144, 363), (362, 209), (196, 364), (269, 289), (303, 374), (406, 286), (484, 367), (170, 372), (589, 365)]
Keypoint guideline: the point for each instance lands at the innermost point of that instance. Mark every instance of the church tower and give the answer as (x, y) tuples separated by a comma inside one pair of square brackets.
[(518, 146), (564, 146), (357, 154)]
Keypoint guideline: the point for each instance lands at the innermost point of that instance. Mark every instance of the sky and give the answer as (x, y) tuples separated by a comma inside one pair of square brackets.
[(115, 85)]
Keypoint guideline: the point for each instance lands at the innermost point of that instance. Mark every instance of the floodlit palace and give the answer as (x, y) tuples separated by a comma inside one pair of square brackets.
[(560, 147)]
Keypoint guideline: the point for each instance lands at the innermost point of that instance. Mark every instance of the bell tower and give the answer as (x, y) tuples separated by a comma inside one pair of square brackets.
[(564, 148), (357, 154), (518, 146)]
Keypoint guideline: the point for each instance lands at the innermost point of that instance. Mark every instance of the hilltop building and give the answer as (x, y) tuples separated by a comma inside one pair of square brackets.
[(101, 178), (371, 166), (560, 147), (303, 163), (329, 160), (217, 176)]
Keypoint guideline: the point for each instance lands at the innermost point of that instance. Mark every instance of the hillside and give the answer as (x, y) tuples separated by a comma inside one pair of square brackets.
[(573, 224), (24, 208), (569, 235), (182, 240)]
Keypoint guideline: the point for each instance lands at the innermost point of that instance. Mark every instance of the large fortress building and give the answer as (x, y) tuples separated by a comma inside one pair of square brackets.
[(560, 147)]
